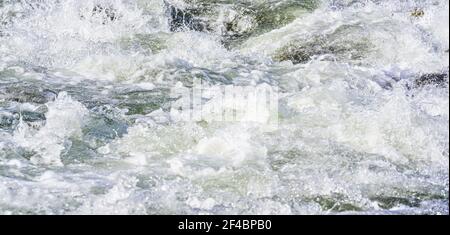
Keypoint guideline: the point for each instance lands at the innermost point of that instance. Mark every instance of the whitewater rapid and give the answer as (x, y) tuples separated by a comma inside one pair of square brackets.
[(361, 123)]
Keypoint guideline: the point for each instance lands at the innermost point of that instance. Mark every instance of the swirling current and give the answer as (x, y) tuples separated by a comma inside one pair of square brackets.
[(88, 125)]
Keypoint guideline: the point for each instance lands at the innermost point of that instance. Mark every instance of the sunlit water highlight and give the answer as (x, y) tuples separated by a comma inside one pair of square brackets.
[(363, 107)]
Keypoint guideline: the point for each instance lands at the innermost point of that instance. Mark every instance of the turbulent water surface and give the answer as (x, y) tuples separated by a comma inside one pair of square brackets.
[(85, 107)]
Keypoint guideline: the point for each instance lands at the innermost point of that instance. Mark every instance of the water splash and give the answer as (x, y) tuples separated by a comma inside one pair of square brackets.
[(85, 107)]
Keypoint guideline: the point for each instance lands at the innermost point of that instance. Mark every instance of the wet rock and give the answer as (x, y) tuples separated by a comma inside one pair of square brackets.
[(414, 80), (180, 20), (418, 13), (105, 13), (248, 20), (238, 21), (432, 79), (108, 12), (141, 102)]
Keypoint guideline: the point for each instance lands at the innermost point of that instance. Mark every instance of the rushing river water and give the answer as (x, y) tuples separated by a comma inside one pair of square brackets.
[(87, 123)]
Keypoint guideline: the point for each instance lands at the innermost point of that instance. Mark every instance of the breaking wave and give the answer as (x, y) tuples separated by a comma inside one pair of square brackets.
[(87, 125)]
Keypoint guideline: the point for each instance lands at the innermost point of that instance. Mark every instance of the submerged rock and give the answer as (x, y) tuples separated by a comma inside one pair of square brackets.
[(10, 119), (338, 44), (6, 120), (77, 152), (338, 204), (269, 17), (300, 53), (387, 202), (101, 129), (27, 94), (30, 116)]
